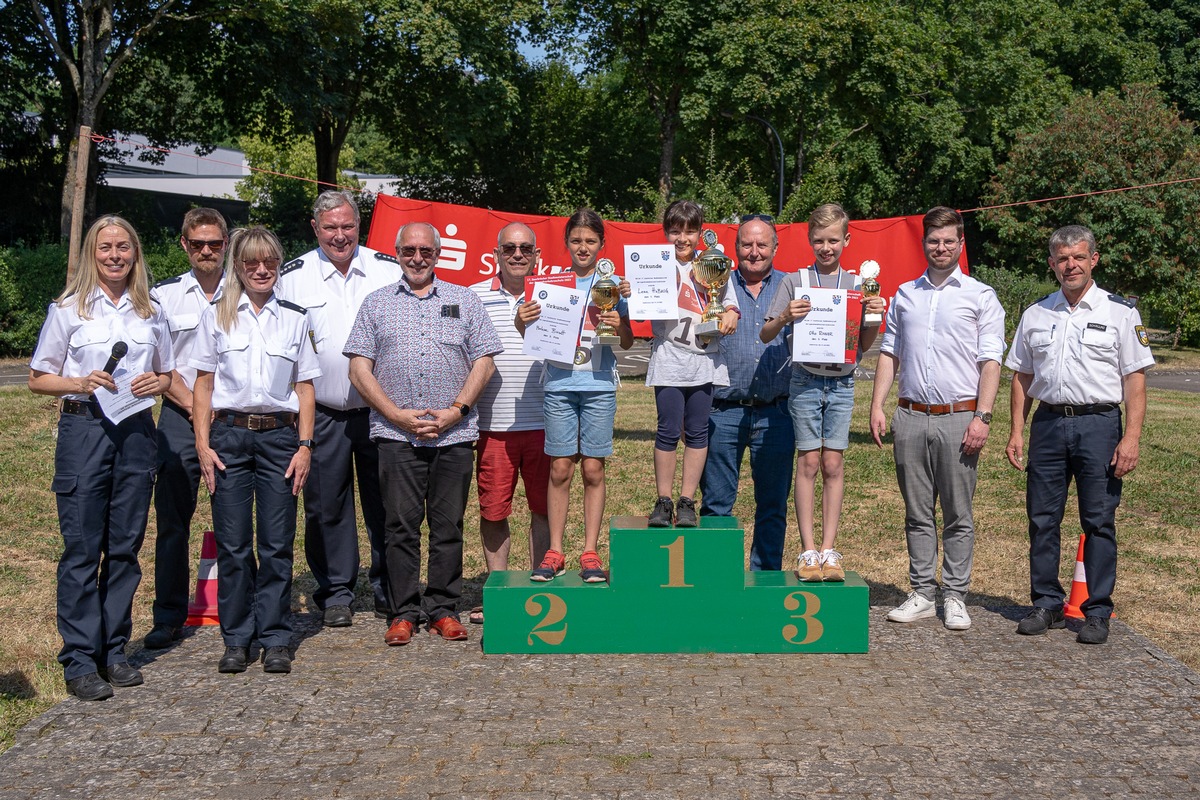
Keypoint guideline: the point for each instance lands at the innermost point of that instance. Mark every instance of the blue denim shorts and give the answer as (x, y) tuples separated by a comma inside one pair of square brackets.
[(821, 407), (580, 423)]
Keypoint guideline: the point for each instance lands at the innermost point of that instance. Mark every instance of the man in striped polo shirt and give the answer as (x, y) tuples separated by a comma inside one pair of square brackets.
[(512, 432)]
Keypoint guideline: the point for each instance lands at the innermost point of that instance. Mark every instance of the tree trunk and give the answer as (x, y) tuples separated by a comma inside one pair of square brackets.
[(668, 126)]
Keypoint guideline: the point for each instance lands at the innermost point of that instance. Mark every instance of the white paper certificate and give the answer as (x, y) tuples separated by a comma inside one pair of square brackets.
[(651, 272), (122, 403), (820, 338), (555, 334)]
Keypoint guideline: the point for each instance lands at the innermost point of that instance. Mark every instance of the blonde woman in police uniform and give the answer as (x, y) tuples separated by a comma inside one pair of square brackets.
[(253, 408), (103, 471)]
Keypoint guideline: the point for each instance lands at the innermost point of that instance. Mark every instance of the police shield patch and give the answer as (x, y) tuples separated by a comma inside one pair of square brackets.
[(1143, 337)]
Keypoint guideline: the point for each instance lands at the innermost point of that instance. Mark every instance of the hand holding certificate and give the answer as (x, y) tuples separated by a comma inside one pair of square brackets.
[(828, 334), (651, 272), (555, 333), (123, 402)]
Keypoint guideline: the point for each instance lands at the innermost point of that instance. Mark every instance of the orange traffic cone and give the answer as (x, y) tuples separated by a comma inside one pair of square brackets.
[(1079, 592), (203, 608)]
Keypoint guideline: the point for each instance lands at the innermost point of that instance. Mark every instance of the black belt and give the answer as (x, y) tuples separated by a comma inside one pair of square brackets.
[(342, 413), (751, 402), (256, 422), (169, 403), (1079, 411), (82, 408)]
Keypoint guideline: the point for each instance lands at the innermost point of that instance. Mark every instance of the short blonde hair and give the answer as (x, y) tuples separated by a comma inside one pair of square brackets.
[(829, 214)]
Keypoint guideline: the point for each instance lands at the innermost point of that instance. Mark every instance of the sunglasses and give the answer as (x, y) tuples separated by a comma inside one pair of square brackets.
[(767, 218), (212, 244), (410, 251), (510, 249)]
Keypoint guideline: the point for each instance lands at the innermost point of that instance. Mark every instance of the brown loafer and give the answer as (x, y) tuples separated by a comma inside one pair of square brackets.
[(449, 629), (399, 632)]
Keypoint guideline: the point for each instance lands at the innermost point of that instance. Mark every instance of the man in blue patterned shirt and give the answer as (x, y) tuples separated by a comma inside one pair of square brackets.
[(420, 354), (752, 411)]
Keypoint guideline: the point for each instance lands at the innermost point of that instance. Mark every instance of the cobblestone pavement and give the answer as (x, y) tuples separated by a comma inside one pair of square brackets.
[(927, 713)]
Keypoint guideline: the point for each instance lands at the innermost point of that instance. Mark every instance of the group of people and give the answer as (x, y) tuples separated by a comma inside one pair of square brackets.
[(351, 371)]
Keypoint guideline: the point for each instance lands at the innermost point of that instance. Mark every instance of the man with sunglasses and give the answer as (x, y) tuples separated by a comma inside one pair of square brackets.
[(182, 298), (512, 426), (332, 281), (752, 411)]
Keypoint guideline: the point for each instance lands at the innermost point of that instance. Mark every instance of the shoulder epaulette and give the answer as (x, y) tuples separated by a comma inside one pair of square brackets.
[(168, 281), (291, 266), (290, 305), (386, 257), (1043, 297), (1125, 301)]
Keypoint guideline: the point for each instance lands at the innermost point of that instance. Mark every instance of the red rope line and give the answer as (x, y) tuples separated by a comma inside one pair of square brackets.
[(1081, 194), (97, 139)]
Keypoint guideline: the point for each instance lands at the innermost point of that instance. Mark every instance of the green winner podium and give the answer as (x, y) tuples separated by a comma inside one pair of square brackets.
[(675, 590)]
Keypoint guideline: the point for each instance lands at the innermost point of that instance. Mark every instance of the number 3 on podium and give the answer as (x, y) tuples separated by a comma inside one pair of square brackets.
[(812, 626)]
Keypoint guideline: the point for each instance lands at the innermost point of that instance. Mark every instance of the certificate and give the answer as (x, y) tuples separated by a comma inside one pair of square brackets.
[(122, 403), (829, 332), (652, 275), (555, 334)]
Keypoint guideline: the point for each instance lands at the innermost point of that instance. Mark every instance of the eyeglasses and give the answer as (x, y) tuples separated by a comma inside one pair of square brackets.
[(269, 264), (510, 249), (408, 251), (767, 218), (216, 245), (949, 244)]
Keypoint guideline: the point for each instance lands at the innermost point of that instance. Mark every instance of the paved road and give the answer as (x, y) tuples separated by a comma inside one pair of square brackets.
[(925, 714)]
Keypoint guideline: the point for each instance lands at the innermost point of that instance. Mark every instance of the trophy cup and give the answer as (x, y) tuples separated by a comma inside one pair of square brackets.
[(712, 268), (605, 295), (869, 271)]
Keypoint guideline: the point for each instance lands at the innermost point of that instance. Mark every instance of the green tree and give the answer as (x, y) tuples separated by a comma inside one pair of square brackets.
[(1147, 238)]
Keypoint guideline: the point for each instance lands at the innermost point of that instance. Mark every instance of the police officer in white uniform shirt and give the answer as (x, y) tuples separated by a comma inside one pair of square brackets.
[(1079, 352), (253, 414), (331, 283), (101, 333), (183, 299)]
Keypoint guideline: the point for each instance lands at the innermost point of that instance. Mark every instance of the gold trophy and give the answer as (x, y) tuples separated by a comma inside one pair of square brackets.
[(869, 271), (606, 294), (712, 268)]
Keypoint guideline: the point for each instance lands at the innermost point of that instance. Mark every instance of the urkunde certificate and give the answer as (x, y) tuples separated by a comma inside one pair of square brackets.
[(821, 337), (555, 334), (122, 403), (651, 272)]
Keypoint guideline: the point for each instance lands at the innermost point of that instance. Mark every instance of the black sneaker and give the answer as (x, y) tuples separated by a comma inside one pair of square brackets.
[(234, 660), (1040, 620), (161, 636), (1095, 631), (685, 513), (663, 515), (90, 687), (277, 659)]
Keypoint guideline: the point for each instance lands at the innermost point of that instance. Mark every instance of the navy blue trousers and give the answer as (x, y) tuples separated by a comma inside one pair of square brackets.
[(174, 507)]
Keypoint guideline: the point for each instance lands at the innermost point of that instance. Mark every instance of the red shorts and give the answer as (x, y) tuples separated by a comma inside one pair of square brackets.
[(501, 456)]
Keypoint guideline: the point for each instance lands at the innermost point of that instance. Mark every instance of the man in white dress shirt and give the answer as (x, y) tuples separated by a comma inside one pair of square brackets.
[(331, 282), (945, 338), (182, 298)]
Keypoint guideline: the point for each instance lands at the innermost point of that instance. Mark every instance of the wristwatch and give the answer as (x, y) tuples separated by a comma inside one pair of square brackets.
[(985, 416), (309, 443), (463, 408)]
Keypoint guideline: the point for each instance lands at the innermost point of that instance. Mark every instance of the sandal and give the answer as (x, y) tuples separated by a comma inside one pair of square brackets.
[(476, 616)]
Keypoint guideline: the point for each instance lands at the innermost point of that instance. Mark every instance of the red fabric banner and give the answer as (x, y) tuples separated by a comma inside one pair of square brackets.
[(469, 239)]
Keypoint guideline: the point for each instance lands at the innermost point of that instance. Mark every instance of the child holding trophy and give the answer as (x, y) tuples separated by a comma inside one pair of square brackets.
[(581, 397), (821, 396), (685, 363)]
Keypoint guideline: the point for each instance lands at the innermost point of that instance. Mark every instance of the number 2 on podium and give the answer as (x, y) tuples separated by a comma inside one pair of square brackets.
[(555, 612)]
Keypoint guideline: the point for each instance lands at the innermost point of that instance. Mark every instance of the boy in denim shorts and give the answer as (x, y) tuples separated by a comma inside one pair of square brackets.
[(821, 395)]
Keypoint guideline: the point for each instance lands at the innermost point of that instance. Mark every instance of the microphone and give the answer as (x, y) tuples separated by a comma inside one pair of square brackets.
[(118, 352)]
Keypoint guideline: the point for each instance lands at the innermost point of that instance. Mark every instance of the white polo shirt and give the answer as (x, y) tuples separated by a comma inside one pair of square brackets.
[(183, 301), (332, 301)]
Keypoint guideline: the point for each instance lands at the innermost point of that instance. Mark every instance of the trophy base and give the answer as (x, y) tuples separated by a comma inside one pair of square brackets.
[(872, 320), (608, 338), (708, 330)]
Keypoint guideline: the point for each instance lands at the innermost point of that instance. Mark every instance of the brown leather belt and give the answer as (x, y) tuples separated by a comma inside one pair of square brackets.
[(938, 409), (81, 408), (256, 422)]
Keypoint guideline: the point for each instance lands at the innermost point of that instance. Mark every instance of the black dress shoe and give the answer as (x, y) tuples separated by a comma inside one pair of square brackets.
[(1095, 631), (123, 675), (338, 617), (1041, 620), (277, 659), (161, 636), (90, 687), (234, 659)]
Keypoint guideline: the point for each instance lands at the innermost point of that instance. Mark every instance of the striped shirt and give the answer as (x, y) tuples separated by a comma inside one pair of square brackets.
[(512, 400), (423, 349)]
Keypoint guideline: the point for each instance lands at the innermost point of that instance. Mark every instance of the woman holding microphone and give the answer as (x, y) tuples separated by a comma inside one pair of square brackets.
[(253, 411), (103, 323)]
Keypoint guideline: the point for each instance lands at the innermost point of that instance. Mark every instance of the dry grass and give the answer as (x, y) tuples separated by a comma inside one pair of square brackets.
[(1158, 589)]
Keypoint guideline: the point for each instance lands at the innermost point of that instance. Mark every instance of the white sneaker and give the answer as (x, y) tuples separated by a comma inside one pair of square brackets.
[(913, 609), (957, 618)]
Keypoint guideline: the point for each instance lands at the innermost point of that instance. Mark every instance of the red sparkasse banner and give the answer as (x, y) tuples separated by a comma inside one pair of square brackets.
[(469, 239)]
